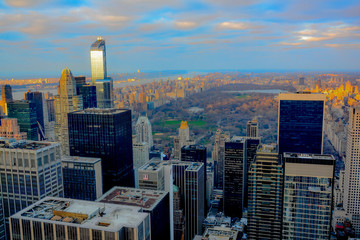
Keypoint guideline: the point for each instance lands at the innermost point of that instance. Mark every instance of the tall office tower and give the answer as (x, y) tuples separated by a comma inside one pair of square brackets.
[(64, 218), (87, 91), (218, 156), (104, 93), (252, 128), (2, 223), (50, 103), (235, 168), (265, 181), (29, 172), (154, 202), (10, 129), (106, 134), (182, 140), (308, 196), (66, 102), (352, 165), (6, 95), (25, 112), (301, 122), (143, 131), (178, 216), (39, 101), (140, 157), (98, 60), (82, 177)]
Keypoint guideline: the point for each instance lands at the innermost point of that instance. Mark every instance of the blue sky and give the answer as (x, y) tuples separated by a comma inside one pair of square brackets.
[(39, 38)]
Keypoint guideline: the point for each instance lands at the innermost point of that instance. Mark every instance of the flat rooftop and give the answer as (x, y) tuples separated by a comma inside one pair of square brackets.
[(194, 147), (221, 233), (24, 144), (267, 148), (302, 96), (156, 165), (144, 198), (104, 111), (75, 159), (309, 156), (88, 214)]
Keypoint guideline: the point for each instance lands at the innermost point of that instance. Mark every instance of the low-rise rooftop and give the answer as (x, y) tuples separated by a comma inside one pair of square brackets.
[(309, 156), (76, 159), (88, 214), (144, 198), (103, 111), (23, 144)]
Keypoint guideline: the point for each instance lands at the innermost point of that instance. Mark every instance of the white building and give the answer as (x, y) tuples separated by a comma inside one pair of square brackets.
[(144, 132), (140, 157)]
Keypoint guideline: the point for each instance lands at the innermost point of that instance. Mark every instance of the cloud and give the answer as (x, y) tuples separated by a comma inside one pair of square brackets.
[(185, 25), (234, 25), (24, 3), (290, 44)]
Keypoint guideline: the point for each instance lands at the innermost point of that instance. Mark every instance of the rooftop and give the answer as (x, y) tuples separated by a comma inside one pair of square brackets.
[(268, 148), (194, 147), (23, 144), (154, 165), (103, 111), (221, 233), (88, 214), (99, 44), (75, 159), (146, 199), (309, 156)]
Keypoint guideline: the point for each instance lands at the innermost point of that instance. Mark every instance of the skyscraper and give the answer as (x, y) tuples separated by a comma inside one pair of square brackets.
[(29, 171), (25, 113), (143, 131), (234, 169), (82, 177), (6, 95), (300, 122), (106, 134), (265, 181), (87, 91), (64, 218), (99, 78), (66, 102), (218, 156), (352, 166), (252, 128), (98, 60), (140, 157), (308, 196), (39, 101), (182, 139)]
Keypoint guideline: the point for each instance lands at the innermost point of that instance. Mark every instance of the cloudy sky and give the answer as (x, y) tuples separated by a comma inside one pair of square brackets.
[(38, 38)]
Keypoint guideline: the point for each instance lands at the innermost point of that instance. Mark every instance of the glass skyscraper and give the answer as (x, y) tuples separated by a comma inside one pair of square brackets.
[(25, 112), (301, 122), (98, 60), (37, 99), (105, 134), (308, 196)]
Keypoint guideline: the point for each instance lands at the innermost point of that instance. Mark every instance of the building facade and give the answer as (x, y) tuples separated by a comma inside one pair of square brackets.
[(82, 177), (6, 97), (10, 129), (182, 139), (143, 131), (218, 156), (98, 60), (105, 134), (38, 99), (301, 122), (352, 166), (252, 128), (265, 194), (308, 196), (66, 102), (140, 157)]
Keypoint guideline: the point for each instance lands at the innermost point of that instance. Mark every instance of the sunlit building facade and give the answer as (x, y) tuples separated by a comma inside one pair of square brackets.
[(143, 131), (98, 60), (308, 196)]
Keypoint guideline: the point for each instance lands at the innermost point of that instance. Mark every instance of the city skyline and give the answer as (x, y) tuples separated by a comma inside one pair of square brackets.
[(197, 35)]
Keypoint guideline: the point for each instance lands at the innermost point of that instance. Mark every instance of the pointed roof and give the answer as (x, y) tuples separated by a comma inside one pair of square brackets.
[(184, 125)]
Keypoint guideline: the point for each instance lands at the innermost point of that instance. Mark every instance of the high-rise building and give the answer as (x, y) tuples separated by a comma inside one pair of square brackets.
[(154, 202), (106, 134), (29, 172), (143, 131), (50, 103), (252, 128), (218, 156), (140, 157), (104, 93), (98, 60), (352, 166), (301, 122), (234, 170), (66, 102), (88, 93), (25, 112), (308, 196), (265, 181), (6, 95), (189, 181), (64, 218), (10, 129), (2, 223), (82, 177), (38, 99), (182, 140)]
